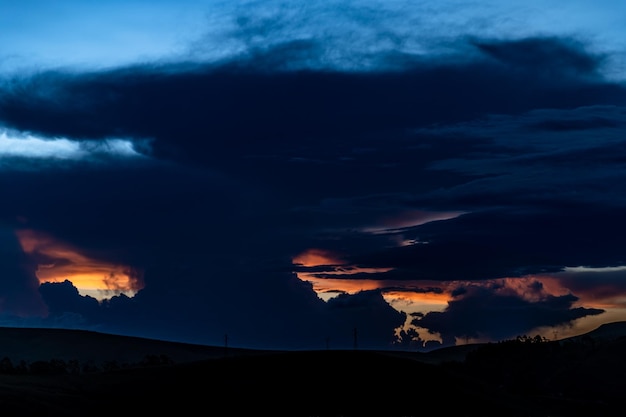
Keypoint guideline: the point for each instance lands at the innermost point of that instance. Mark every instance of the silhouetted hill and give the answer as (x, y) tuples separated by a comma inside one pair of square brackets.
[(528, 377), (316, 383), (607, 331), (36, 344)]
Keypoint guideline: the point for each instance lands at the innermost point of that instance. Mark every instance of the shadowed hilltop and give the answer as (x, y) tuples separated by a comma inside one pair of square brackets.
[(527, 376), (32, 344)]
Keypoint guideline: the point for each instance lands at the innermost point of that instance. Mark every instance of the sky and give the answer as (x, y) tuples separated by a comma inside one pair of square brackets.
[(305, 175)]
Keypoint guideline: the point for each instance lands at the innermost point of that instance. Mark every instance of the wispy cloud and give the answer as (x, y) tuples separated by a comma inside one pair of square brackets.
[(16, 146)]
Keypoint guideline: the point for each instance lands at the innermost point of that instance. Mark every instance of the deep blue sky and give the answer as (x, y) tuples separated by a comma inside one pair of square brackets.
[(284, 172)]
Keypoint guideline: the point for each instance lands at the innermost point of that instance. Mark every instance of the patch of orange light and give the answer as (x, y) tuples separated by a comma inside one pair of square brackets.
[(332, 285), (427, 296), (417, 302), (93, 277), (604, 293), (524, 286), (607, 299), (317, 257), (598, 296)]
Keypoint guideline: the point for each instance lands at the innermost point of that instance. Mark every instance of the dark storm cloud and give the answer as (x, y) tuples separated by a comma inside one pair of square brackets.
[(535, 200), (370, 314), (575, 124), (217, 107), (595, 283), (486, 312), (541, 141), (133, 214), (283, 160), (219, 115), (260, 309), (501, 243), (546, 56), (63, 297), (18, 282)]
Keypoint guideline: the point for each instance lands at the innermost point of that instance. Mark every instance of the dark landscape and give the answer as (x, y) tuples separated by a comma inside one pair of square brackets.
[(53, 372)]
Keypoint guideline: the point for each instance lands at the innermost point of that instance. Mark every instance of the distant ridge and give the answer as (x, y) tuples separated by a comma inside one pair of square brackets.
[(518, 379), (606, 331), (31, 344)]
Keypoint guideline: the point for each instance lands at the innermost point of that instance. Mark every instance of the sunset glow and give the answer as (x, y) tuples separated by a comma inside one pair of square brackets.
[(58, 262), (317, 257), (419, 297), (327, 288)]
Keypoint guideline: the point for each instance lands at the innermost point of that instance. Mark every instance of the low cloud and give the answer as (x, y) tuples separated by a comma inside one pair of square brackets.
[(494, 313), (18, 283)]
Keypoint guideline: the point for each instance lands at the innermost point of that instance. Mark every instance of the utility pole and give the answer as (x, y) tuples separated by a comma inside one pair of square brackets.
[(355, 339), (226, 344)]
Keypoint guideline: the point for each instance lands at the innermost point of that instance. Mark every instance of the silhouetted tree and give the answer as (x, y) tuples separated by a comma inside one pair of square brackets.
[(6, 366), (409, 339), (51, 367), (90, 367), (22, 367), (156, 360), (39, 368), (73, 367), (528, 339), (109, 366)]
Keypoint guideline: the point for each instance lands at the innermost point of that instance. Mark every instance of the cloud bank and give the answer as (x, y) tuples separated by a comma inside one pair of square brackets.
[(492, 157)]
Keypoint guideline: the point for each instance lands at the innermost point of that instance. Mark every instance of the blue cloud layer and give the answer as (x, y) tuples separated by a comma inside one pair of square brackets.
[(261, 154)]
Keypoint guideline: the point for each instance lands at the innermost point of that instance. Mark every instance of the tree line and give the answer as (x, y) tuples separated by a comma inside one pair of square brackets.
[(75, 367)]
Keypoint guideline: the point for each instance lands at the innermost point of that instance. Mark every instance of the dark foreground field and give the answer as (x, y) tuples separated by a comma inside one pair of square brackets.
[(584, 376)]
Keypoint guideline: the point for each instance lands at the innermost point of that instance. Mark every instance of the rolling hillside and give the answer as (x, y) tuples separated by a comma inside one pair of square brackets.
[(580, 376), (33, 344)]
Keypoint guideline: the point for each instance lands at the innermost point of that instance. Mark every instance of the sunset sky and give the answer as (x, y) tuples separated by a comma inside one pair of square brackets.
[(428, 173)]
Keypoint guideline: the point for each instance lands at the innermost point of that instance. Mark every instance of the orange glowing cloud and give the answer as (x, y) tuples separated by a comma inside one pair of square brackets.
[(417, 301), (329, 287), (317, 257), (336, 266), (406, 296), (59, 261), (331, 275)]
